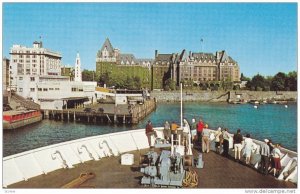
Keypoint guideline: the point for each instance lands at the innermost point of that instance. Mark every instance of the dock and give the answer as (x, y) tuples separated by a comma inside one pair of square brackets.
[(104, 113)]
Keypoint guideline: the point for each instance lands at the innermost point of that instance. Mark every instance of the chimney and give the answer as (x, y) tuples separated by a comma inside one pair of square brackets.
[(156, 53)]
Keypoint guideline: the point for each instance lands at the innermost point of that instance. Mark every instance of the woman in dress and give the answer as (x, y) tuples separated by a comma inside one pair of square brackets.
[(248, 146)]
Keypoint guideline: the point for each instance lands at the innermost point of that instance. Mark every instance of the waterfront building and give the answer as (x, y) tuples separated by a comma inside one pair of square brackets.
[(163, 68), (78, 74), (33, 61), (111, 61), (193, 68), (55, 92), (5, 73)]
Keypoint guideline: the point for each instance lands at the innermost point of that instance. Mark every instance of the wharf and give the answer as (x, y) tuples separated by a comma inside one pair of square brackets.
[(218, 173), (104, 113)]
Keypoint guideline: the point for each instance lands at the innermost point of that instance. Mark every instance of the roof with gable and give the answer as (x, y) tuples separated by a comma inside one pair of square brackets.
[(164, 57)]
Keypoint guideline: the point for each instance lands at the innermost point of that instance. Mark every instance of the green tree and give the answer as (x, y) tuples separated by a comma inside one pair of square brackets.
[(137, 82), (243, 78), (88, 75), (278, 82), (291, 81), (259, 83), (169, 84), (104, 79)]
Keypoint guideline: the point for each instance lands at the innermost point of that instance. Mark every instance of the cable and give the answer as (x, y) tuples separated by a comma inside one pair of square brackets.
[(191, 179)]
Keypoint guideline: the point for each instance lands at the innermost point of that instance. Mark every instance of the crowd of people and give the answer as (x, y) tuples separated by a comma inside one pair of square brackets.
[(201, 137)]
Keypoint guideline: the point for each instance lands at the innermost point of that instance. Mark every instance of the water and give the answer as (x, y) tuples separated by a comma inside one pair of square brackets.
[(268, 121)]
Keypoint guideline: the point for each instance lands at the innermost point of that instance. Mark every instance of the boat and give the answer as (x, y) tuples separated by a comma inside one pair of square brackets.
[(102, 155), (117, 160), (255, 102), (14, 119)]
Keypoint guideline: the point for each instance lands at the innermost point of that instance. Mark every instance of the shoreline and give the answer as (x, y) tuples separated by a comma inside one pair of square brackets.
[(223, 96)]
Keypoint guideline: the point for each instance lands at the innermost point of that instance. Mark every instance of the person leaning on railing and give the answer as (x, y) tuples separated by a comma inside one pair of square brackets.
[(150, 132), (174, 128)]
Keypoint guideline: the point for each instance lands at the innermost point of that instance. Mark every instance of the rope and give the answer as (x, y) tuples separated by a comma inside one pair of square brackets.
[(191, 179)]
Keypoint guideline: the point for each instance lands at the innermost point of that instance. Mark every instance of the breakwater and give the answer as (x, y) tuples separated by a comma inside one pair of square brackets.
[(222, 96)]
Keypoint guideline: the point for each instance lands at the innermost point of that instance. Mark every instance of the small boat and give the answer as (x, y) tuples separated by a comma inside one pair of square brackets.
[(254, 102), (14, 119)]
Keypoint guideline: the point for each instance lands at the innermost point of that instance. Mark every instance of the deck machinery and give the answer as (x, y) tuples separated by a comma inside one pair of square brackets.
[(164, 170)]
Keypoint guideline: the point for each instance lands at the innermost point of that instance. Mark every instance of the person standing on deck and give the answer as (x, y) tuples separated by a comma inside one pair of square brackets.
[(200, 127), (265, 153), (193, 130), (248, 148), (276, 157), (174, 127), (150, 132), (205, 139), (237, 142), (167, 131), (226, 138), (218, 134)]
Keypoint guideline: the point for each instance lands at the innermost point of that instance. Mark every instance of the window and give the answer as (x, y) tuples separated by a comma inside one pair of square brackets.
[(20, 89), (56, 88), (51, 88), (40, 89), (32, 79), (32, 89), (20, 78), (45, 89)]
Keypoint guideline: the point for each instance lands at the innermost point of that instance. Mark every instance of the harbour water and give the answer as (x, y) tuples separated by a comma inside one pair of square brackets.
[(268, 121)]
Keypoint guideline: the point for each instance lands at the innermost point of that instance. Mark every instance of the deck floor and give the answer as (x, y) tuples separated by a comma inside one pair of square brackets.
[(218, 172)]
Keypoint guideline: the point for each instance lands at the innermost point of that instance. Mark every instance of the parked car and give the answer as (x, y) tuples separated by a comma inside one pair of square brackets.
[(89, 110), (101, 110)]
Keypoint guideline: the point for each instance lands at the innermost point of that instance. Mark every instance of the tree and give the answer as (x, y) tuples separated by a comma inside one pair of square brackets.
[(278, 82), (88, 75), (243, 78), (291, 81), (104, 79), (258, 83), (137, 82), (169, 84)]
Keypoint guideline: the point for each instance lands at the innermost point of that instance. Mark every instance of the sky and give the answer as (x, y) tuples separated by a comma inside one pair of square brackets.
[(261, 37)]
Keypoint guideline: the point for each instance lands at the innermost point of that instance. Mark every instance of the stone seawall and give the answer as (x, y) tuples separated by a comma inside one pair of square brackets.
[(221, 96)]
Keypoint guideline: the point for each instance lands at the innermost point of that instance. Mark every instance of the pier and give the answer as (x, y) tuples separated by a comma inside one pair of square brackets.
[(104, 113)]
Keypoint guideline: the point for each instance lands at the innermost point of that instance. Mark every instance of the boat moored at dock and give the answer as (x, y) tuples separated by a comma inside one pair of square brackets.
[(15, 118)]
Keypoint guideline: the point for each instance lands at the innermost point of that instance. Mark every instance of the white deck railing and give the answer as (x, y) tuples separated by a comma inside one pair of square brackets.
[(25, 165)]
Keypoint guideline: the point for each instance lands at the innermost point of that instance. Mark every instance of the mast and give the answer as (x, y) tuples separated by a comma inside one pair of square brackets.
[(181, 114)]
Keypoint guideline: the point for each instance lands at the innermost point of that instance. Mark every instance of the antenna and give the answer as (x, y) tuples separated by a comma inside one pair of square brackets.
[(201, 41)]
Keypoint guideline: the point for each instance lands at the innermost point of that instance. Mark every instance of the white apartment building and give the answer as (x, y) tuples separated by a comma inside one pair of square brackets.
[(35, 61)]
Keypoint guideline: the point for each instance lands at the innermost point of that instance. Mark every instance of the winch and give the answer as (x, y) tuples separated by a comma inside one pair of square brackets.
[(167, 170)]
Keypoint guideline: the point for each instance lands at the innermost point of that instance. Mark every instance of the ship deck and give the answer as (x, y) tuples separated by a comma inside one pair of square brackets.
[(218, 172)]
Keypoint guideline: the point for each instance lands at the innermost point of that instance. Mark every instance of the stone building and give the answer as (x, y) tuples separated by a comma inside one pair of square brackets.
[(194, 68), (33, 61), (111, 60)]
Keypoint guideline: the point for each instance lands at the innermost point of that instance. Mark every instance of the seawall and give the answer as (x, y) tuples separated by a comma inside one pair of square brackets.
[(222, 96)]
